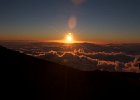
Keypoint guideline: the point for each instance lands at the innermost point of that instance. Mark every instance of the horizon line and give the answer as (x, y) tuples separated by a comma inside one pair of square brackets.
[(61, 41)]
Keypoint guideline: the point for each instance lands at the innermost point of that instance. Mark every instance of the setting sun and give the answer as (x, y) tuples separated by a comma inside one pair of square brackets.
[(69, 38)]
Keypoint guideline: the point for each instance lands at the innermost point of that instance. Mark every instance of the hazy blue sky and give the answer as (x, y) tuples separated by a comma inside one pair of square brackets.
[(94, 20)]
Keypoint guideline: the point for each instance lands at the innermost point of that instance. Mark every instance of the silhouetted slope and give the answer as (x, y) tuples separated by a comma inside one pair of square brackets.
[(27, 78)]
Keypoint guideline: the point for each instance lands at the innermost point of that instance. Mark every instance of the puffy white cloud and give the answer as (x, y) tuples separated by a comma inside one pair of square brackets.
[(133, 66), (130, 68)]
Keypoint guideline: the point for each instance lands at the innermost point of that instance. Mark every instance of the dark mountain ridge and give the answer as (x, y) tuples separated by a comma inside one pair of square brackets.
[(25, 77)]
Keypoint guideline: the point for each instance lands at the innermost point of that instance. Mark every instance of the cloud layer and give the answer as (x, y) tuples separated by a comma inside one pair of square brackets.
[(86, 56), (92, 61)]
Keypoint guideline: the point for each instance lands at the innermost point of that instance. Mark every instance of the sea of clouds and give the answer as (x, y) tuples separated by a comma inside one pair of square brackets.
[(93, 61), (86, 56)]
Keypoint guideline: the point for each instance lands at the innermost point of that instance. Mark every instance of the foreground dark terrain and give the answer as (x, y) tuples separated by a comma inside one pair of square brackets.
[(27, 78)]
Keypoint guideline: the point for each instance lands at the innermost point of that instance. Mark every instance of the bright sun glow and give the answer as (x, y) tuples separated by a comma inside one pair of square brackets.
[(69, 38)]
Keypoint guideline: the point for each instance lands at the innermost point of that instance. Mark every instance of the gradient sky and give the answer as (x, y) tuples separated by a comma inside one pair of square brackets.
[(94, 20)]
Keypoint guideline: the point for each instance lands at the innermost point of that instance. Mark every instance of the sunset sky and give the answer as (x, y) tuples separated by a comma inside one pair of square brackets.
[(88, 20)]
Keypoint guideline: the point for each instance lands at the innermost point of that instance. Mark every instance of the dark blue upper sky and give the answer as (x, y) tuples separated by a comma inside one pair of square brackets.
[(99, 20)]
